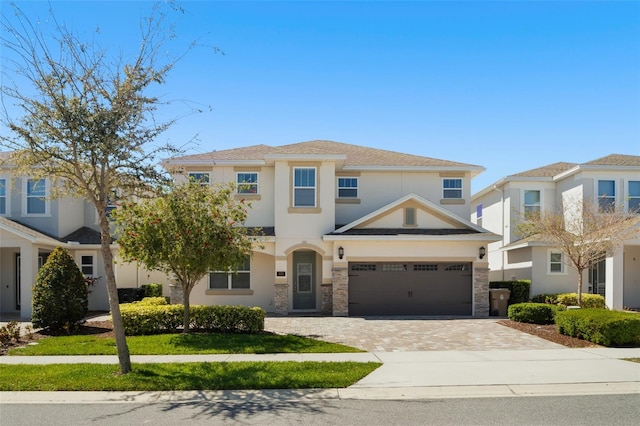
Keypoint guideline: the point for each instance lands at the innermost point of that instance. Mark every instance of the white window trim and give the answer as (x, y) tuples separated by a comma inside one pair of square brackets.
[(629, 196), (93, 255), (47, 202), (7, 197), (315, 187), (257, 183), (200, 173), (230, 275), (461, 189), (524, 205), (357, 187), (597, 192), (563, 262)]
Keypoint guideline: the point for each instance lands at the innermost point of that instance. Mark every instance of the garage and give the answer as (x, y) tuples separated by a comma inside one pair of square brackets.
[(410, 288)]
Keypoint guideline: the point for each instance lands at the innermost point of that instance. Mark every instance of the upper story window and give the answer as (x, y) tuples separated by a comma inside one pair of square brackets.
[(634, 196), (247, 183), (304, 187), (556, 262), (452, 188), (229, 280), (35, 194), (202, 177), (3, 196), (87, 265), (606, 195), (531, 203), (347, 187)]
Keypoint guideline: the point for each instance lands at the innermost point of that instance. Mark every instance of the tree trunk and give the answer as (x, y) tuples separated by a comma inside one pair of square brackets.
[(118, 326), (186, 319), (580, 288)]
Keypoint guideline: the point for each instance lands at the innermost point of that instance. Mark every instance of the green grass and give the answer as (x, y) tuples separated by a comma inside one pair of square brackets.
[(195, 343), (183, 376)]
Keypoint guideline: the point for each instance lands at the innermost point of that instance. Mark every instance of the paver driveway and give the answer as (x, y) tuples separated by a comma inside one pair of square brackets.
[(392, 334)]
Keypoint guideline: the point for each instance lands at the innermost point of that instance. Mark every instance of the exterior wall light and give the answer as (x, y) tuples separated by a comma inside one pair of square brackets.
[(482, 252), (340, 252)]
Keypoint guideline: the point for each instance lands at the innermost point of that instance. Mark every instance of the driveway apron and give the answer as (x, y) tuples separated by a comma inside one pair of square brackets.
[(401, 334)]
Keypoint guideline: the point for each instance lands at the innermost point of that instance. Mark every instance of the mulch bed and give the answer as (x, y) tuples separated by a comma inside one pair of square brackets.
[(549, 332)]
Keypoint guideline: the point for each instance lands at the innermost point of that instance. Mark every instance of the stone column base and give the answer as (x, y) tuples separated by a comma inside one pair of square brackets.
[(177, 296), (340, 294), (327, 299), (281, 299), (481, 292)]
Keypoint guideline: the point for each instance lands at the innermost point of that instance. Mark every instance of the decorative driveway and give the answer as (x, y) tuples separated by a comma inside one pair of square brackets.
[(401, 334)]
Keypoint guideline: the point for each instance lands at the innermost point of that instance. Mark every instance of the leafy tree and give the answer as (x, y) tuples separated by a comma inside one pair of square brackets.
[(191, 230), (582, 231), (60, 293), (88, 122)]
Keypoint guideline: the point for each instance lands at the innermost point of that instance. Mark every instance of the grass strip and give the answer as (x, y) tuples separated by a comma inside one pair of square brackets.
[(178, 344), (184, 376)]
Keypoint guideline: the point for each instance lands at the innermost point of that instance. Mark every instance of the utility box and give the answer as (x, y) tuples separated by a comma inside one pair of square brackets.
[(499, 301)]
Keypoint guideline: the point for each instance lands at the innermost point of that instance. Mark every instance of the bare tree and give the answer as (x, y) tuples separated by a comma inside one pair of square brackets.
[(87, 120), (583, 231)]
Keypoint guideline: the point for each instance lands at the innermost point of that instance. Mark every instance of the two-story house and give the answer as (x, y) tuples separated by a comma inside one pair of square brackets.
[(350, 230), (608, 181), (31, 226)]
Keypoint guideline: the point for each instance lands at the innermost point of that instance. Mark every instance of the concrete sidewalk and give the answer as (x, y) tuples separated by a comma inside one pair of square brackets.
[(403, 375)]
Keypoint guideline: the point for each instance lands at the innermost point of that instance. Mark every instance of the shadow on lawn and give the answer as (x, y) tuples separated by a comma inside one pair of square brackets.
[(260, 343)]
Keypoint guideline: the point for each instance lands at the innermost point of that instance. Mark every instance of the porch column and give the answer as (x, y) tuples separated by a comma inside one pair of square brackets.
[(281, 299), (340, 292), (28, 275), (614, 280), (480, 290)]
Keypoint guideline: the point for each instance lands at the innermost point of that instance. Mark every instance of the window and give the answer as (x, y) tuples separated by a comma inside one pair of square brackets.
[(556, 262), (36, 193), (247, 183), (606, 195), (459, 267), (410, 216), (479, 211), (452, 188), (634, 196), (347, 187), (425, 267), (201, 177), (86, 265), (3, 196), (304, 187), (362, 267), (531, 204), (394, 267), (240, 280)]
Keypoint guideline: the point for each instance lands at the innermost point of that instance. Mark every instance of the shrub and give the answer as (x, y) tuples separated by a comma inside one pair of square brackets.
[(608, 328), (588, 300), (151, 301), (9, 333), (144, 318), (60, 297), (550, 298), (534, 313), (152, 290), (519, 289)]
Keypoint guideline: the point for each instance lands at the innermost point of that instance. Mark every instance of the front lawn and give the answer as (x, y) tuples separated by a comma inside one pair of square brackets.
[(194, 343), (183, 376)]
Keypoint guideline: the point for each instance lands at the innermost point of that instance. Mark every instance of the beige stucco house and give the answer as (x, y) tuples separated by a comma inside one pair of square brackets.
[(611, 180), (350, 230)]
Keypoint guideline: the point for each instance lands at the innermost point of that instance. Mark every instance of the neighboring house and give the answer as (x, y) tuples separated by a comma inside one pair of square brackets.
[(31, 226), (349, 230), (611, 180)]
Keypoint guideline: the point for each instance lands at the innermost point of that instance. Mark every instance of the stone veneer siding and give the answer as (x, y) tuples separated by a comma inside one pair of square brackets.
[(481, 292), (327, 299), (341, 292), (281, 296), (177, 296)]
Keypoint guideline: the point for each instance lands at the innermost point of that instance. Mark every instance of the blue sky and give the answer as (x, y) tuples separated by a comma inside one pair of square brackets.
[(506, 85)]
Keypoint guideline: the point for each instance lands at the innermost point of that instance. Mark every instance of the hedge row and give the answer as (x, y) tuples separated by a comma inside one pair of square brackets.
[(145, 317), (571, 299), (519, 289), (533, 313), (608, 328)]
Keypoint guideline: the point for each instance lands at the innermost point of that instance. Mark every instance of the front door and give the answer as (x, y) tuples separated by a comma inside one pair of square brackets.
[(304, 289)]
